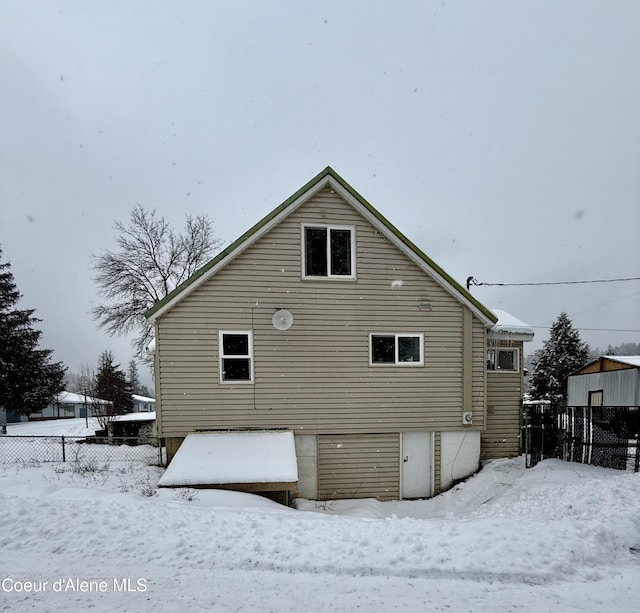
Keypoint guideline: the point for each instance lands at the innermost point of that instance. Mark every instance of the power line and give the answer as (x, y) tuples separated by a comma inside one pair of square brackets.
[(473, 281), (590, 329)]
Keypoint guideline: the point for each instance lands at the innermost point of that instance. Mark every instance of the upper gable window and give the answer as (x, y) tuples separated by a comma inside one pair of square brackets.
[(328, 251)]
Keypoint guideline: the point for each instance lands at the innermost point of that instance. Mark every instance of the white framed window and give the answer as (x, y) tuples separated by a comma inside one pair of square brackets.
[(328, 252), (405, 349), (236, 356), (505, 359)]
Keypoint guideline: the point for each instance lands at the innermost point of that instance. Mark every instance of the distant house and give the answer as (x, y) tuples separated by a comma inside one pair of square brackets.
[(610, 381), (7, 416), (326, 321), (68, 405), (143, 404)]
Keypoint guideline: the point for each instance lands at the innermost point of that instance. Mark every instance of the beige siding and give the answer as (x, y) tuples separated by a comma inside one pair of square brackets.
[(479, 390), (315, 377), (504, 402), (359, 466)]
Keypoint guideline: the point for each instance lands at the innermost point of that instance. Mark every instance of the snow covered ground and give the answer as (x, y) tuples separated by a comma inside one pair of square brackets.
[(74, 537)]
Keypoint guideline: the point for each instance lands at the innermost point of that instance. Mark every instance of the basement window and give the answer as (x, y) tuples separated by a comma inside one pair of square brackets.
[(328, 252), (236, 357), (397, 349), (503, 359)]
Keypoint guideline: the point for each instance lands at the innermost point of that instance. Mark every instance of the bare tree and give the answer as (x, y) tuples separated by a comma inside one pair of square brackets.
[(151, 260), (101, 410)]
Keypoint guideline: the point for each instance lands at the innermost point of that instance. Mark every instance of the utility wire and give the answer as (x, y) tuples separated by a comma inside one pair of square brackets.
[(473, 281), (591, 329)]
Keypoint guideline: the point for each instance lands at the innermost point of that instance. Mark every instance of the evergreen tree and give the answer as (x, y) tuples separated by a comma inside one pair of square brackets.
[(137, 387), (111, 384), (133, 377), (29, 381), (561, 355)]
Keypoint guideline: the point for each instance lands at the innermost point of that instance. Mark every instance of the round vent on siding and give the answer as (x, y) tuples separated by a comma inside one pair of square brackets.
[(282, 319)]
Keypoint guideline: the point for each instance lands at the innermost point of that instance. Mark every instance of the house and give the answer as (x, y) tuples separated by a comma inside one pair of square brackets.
[(609, 381), (143, 404), (326, 321), (68, 405), (7, 416)]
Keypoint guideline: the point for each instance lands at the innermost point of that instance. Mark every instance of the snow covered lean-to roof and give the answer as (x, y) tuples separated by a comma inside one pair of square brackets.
[(225, 458), (511, 326)]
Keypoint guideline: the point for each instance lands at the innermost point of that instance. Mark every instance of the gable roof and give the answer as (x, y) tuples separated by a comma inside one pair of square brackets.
[(607, 363), (74, 398), (327, 178)]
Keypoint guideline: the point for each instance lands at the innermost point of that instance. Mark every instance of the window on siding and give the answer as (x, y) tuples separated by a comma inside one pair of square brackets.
[(398, 349), (328, 251), (502, 358), (236, 357)]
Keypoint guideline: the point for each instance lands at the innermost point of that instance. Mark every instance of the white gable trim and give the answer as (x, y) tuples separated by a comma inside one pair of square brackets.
[(376, 223), (328, 180), (242, 247)]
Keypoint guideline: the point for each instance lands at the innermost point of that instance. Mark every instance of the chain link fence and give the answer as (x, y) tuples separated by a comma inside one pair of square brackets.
[(601, 436), (34, 449)]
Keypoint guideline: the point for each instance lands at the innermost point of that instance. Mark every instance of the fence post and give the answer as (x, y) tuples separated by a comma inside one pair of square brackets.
[(63, 456)]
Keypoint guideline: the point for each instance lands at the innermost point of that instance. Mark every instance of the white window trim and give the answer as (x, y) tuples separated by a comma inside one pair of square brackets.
[(397, 335), (329, 276), (516, 360), (221, 356)]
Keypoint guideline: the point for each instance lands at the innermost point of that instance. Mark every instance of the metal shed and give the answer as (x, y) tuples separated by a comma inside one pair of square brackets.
[(612, 381)]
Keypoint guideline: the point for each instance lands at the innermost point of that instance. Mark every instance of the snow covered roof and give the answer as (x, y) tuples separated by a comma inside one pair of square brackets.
[(150, 416), (142, 398), (510, 325), (606, 363), (217, 458), (632, 360), (74, 398)]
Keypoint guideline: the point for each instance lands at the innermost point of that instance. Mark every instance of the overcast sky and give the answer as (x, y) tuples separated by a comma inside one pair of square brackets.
[(502, 137)]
